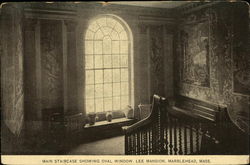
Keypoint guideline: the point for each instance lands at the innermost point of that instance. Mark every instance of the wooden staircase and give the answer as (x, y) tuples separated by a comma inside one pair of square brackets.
[(189, 127)]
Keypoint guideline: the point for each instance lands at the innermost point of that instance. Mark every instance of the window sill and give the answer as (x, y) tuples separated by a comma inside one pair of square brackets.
[(106, 123)]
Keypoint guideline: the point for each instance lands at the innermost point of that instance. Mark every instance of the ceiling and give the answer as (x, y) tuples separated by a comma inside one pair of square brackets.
[(154, 4)]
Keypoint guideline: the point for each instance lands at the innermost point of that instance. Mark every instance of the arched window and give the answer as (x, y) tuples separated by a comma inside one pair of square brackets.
[(108, 65)]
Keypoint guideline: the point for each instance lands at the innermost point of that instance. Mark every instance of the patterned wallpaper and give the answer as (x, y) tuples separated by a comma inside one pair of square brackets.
[(229, 72), (51, 59), (12, 70), (156, 60)]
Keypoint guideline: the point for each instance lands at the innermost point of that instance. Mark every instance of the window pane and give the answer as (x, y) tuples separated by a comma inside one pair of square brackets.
[(124, 88), (89, 35), (106, 30), (123, 35), (98, 61), (99, 105), (124, 74), (124, 102), (116, 75), (114, 35), (108, 104), (93, 26), (98, 47), (111, 22), (116, 103), (118, 27), (116, 89), (115, 47), (116, 60), (89, 91), (99, 90), (124, 60), (106, 48), (98, 76), (90, 105), (107, 75), (108, 90), (107, 61), (89, 77), (89, 62), (106, 45), (124, 47), (89, 47), (99, 35), (101, 21)]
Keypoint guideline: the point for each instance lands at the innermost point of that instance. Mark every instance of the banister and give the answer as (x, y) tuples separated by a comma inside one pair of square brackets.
[(182, 129), (156, 100)]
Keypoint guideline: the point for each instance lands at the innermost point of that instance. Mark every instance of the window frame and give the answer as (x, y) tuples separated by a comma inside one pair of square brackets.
[(130, 65)]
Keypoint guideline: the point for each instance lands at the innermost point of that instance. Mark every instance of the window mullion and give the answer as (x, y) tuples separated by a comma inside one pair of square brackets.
[(120, 70), (111, 100), (94, 72), (112, 74), (102, 79)]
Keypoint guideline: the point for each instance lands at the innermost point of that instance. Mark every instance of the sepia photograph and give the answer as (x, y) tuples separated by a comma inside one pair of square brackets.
[(102, 82)]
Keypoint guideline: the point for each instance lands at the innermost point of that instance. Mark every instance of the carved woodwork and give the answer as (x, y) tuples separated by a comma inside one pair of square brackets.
[(188, 127)]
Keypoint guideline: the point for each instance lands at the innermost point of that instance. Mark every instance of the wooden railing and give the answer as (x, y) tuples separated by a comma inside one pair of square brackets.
[(173, 130)]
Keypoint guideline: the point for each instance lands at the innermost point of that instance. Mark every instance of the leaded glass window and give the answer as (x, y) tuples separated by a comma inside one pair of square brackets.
[(107, 65)]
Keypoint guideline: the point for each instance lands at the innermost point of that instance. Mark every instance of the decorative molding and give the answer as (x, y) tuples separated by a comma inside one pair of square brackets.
[(126, 9), (71, 25), (156, 20), (30, 24), (55, 14), (71, 8), (143, 28), (193, 6)]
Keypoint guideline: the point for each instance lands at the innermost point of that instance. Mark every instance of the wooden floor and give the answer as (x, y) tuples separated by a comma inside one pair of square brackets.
[(109, 146)]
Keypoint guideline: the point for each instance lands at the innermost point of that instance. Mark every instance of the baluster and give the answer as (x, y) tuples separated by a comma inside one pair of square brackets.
[(191, 138), (134, 144), (138, 143), (156, 138), (180, 138), (197, 139), (149, 141), (162, 128), (129, 144), (143, 141), (166, 129), (153, 139), (175, 137), (185, 139), (158, 142), (126, 144), (170, 137)]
